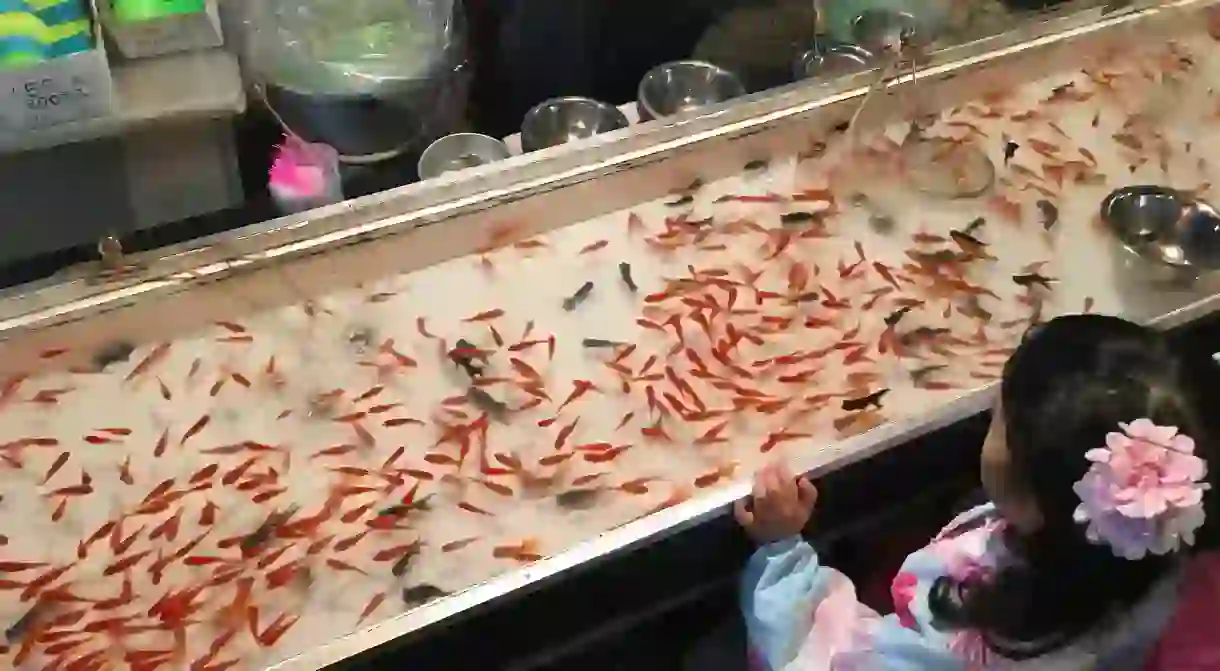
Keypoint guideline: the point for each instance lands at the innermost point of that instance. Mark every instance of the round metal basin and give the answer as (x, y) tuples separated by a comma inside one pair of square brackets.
[(459, 151), (882, 30), (684, 85), (1176, 235), (828, 60), (561, 120)]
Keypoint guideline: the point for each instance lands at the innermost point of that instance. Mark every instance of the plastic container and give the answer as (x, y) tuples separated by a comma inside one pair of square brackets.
[(371, 78), (304, 176)]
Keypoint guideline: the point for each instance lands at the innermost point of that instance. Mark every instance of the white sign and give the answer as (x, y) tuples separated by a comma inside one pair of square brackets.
[(64, 90)]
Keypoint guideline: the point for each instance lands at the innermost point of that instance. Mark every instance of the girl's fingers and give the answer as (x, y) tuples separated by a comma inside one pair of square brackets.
[(744, 517), (807, 492), (785, 485), (768, 499), (777, 494)]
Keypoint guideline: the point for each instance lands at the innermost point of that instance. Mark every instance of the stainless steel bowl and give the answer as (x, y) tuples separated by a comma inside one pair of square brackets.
[(880, 30), (1176, 235), (830, 59), (458, 151), (684, 85), (559, 120)]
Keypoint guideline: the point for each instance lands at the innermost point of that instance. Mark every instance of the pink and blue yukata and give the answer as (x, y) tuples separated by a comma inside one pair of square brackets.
[(803, 616)]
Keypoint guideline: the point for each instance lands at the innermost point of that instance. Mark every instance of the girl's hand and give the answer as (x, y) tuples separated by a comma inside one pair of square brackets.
[(779, 507)]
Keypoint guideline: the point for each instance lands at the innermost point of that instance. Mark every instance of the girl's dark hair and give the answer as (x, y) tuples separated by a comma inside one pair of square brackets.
[(1069, 383)]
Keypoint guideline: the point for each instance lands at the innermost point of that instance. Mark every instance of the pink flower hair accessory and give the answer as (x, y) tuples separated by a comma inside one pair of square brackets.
[(1144, 492)]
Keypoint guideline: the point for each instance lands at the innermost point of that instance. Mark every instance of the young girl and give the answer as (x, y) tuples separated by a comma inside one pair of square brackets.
[(1091, 555)]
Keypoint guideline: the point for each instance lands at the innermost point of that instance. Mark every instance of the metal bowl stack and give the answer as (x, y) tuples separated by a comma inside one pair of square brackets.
[(561, 120), (1175, 235), (459, 151), (679, 86), (830, 59)]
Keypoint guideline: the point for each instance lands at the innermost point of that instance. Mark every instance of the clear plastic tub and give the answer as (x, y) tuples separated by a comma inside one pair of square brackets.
[(370, 78)]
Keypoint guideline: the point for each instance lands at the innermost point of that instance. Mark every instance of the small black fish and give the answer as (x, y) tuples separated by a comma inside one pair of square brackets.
[(1031, 279), (755, 165), (1010, 150), (690, 189), (1050, 214), (882, 223), (422, 505), (361, 338), (970, 307), (570, 304), (401, 510), (972, 247), (918, 375), (494, 407), (920, 334), (399, 569), (974, 225), (624, 271), (896, 316), (467, 363), (22, 626), (680, 201), (577, 499), (1063, 88), (939, 256), (872, 400), (790, 218), (115, 352), (394, 511), (267, 529), (256, 539), (964, 238), (598, 343), (418, 595)]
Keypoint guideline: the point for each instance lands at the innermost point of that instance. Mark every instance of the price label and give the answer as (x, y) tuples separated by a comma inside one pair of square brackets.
[(49, 100), (53, 93)]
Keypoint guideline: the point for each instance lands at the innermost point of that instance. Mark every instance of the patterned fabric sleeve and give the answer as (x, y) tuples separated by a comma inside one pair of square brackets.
[(802, 616)]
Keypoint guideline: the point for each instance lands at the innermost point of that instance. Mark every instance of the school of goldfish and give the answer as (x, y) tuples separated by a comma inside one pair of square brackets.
[(235, 498)]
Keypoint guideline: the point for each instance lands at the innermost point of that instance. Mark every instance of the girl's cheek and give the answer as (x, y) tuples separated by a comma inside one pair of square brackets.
[(993, 462)]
